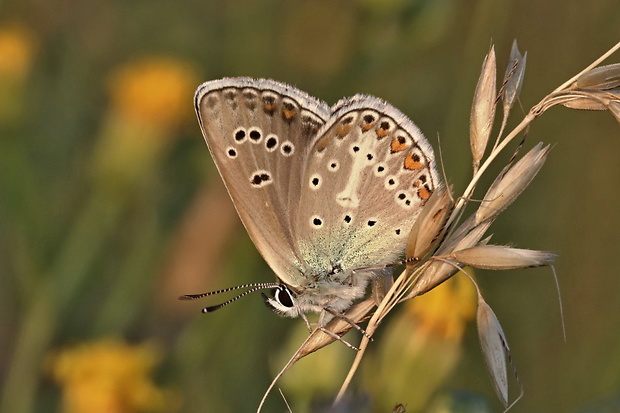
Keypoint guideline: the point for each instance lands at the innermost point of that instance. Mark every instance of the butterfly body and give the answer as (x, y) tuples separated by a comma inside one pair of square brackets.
[(324, 193)]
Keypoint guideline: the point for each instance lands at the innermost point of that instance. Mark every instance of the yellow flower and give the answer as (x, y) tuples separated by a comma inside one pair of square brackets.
[(445, 311), (421, 346), (17, 48), (150, 98), (109, 376), (154, 90)]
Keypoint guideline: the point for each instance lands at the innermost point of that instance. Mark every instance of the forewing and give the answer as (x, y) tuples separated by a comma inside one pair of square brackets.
[(259, 134)]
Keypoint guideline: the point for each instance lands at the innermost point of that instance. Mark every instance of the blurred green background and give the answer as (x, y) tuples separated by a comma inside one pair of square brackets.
[(110, 206)]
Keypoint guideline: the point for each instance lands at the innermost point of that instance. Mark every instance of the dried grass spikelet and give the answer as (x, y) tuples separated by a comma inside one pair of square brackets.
[(599, 100), (602, 78), (483, 109), (596, 89), (494, 348), (511, 86), (437, 270), (510, 183), (513, 78), (497, 257), (429, 225)]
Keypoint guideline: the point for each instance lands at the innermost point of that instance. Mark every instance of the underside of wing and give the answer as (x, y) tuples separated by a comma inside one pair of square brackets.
[(259, 133), (370, 172)]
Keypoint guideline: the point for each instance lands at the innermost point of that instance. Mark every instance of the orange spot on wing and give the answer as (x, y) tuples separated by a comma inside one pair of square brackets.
[(424, 193), (366, 126), (343, 130), (411, 163), (289, 114), (322, 144), (398, 146), (382, 133)]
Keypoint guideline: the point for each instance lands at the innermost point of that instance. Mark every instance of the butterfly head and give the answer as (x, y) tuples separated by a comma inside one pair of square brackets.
[(283, 301), (334, 291)]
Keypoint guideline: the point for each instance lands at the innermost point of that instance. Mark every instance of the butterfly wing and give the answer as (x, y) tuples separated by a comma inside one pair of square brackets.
[(369, 173), (259, 133)]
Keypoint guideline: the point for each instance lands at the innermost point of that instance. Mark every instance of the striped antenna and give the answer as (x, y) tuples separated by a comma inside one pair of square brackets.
[(252, 288)]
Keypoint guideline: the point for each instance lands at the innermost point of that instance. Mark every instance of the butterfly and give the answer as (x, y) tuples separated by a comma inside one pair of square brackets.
[(327, 194)]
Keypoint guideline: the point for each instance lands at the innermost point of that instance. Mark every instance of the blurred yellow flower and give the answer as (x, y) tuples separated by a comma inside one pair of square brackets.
[(445, 311), (154, 90), (421, 346), (149, 99), (109, 376), (17, 48)]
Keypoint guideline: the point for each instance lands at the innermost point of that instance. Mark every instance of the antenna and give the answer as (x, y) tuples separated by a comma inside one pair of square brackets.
[(252, 288)]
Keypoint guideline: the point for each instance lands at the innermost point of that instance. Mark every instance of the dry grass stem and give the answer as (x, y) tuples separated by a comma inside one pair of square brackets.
[(462, 244)]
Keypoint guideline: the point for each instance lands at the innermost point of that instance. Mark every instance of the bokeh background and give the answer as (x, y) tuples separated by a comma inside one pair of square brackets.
[(110, 206)]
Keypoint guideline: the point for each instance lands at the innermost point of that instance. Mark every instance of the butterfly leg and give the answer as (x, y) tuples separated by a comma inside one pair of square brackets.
[(337, 337), (348, 320), (302, 315), (320, 327)]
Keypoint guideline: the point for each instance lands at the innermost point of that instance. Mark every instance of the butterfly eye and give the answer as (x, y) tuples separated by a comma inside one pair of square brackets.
[(283, 296)]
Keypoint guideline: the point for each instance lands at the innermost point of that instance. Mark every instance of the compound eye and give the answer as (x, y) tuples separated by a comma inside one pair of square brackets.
[(284, 296)]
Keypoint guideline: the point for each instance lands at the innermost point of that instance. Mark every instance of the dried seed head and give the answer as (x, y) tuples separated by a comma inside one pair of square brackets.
[(582, 101), (429, 224), (591, 100), (600, 78), (597, 89), (438, 270), (466, 236), (496, 257), (513, 79), (433, 273), (494, 348), (483, 109), (509, 185)]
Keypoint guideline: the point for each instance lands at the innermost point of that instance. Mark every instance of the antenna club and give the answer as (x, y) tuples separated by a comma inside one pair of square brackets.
[(187, 297)]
